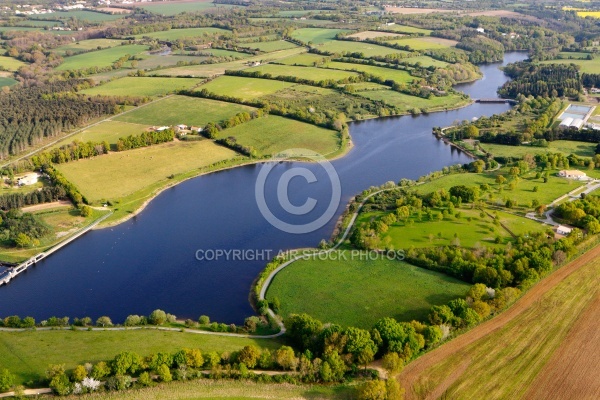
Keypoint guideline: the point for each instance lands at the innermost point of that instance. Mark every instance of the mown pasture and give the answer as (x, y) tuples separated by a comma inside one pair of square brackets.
[(316, 35), (101, 58), (10, 64), (244, 88), (109, 131), (310, 73), (406, 103), (142, 86), (268, 47), (86, 45), (367, 49), (396, 75), (177, 34)]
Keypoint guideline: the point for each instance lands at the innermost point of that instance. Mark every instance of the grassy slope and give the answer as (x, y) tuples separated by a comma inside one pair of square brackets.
[(272, 134), (100, 58), (84, 45), (385, 73), (143, 86), (587, 66), (183, 110), (504, 363), (368, 49), (581, 149), (119, 174), (110, 131), (311, 73), (244, 88), (5, 81), (424, 43), (316, 35), (175, 34), (306, 59), (10, 64), (404, 102), (27, 354), (359, 292), (270, 46)]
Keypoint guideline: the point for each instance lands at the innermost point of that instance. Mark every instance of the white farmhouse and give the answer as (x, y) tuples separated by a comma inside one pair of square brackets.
[(564, 230), (573, 174), (28, 179)]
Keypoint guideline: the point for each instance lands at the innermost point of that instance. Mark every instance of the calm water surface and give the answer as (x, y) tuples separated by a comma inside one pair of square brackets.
[(150, 261)]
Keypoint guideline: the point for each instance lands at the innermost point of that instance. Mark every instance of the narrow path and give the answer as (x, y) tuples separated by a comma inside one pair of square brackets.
[(75, 132)]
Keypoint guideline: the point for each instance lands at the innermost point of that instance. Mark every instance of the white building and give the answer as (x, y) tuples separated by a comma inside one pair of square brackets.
[(573, 174), (565, 123), (480, 30), (564, 230), (28, 179), (577, 123)]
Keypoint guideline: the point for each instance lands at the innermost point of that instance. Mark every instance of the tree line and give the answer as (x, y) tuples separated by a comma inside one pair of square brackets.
[(19, 200), (556, 80)]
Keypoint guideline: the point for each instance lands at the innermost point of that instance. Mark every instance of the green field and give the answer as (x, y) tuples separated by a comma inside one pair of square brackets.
[(142, 86), (587, 66), (119, 174), (6, 81), (404, 103), (86, 45), (307, 60), (272, 134), (367, 49), (176, 34), (310, 73), (360, 292), (244, 88), (226, 53), (229, 389), (100, 58), (28, 354), (90, 16), (109, 131), (19, 28), (316, 35), (152, 61), (177, 110), (581, 149), (396, 75), (178, 8), (426, 61), (270, 46), (428, 43), (10, 64), (406, 29)]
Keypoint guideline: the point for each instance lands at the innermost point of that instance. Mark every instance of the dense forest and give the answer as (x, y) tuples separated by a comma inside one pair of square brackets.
[(19, 200), (541, 80)]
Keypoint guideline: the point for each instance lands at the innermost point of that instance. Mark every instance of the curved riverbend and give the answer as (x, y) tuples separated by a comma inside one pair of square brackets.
[(150, 261)]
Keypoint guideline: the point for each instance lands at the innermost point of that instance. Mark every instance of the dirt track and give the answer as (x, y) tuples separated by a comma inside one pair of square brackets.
[(415, 369), (572, 372)]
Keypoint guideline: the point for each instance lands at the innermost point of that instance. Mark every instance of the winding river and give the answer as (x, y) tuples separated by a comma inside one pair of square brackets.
[(150, 261)]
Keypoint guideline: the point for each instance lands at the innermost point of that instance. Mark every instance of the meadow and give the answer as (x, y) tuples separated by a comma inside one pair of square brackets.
[(244, 88), (405, 103), (406, 29), (226, 53), (177, 110), (396, 75), (86, 15), (142, 86), (152, 61), (586, 66), (306, 59), (28, 354), (367, 49), (268, 47), (174, 8), (176, 34), (10, 64), (428, 43), (109, 131), (86, 45), (118, 174), (426, 61), (101, 58), (580, 149), (373, 35), (7, 81), (316, 35), (356, 292), (272, 134), (310, 73), (516, 359)]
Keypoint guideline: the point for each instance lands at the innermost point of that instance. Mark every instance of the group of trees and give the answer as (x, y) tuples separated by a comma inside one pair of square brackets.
[(44, 195), (556, 80), (21, 229), (71, 152), (583, 213), (482, 49), (145, 139)]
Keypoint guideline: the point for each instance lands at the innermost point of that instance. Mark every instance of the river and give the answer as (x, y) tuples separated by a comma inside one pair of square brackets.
[(150, 261)]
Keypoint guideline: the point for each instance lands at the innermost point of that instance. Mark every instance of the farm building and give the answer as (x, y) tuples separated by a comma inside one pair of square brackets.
[(28, 179), (564, 230), (565, 123), (573, 174), (577, 123)]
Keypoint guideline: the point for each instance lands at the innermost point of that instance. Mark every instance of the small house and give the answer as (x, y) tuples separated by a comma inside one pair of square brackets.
[(161, 128), (564, 230), (181, 127), (28, 179), (573, 174), (480, 30)]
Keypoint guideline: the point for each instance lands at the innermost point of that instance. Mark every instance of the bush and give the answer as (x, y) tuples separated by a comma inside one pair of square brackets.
[(157, 317), (164, 373), (133, 320), (204, 320), (7, 380)]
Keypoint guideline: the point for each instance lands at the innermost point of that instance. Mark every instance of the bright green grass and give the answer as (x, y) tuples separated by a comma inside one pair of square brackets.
[(151, 61), (587, 66), (244, 88), (10, 64), (270, 46), (296, 13), (169, 9), (28, 354), (316, 35), (175, 34), (119, 174), (426, 61), (547, 192), (363, 86), (226, 53), (109, 131), (40, 23), (396, 75), (19, 28), (580, 149), (90, 16), (573, 54), (310, 73), (5, 81), (228, 389), (272, 134), (358, 292), (428, 43), (142, 86), (100, 58), (405, 103), (307, 60), (367, 49), (406, 29), (85, 45), (177, 110)]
